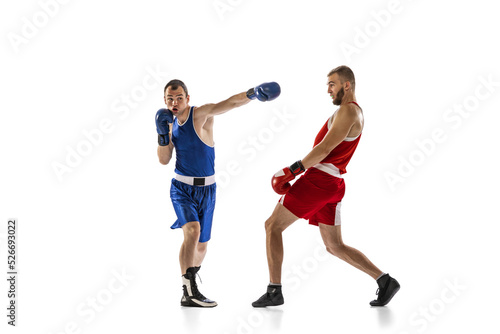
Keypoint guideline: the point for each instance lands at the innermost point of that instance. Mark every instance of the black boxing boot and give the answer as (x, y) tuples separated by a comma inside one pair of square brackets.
[(387, 288), (192, 296)]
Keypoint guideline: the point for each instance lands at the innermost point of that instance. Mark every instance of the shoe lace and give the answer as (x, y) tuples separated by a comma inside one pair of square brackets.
[(196, 292), (264, 297), (384, 288)]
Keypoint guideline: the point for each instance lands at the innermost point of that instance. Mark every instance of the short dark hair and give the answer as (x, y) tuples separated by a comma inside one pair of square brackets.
[(345, 74), (175, 84)]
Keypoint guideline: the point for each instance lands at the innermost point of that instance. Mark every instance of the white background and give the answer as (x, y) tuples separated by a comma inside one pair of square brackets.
[(434, 228)]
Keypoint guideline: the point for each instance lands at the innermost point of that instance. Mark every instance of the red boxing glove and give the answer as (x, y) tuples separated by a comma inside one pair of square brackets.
[(281, 180)]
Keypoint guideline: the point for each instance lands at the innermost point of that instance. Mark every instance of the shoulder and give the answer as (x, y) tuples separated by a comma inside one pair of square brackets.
[(202, 117), (204, 110), (348, 111), (199, 111)]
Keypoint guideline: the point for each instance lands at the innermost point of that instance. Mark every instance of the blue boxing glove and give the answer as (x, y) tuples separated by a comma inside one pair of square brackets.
[(163, 117), (267, 91)]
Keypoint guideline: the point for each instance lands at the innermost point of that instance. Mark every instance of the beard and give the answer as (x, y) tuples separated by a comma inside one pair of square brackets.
[(339, 97)]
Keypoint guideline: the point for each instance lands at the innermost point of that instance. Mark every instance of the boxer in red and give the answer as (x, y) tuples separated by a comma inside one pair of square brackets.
[(317, 195)]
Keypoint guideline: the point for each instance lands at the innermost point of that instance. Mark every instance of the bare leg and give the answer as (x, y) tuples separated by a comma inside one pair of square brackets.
[(332, 238), (280, 219), (191, 255), (188, 251), (201, 251)]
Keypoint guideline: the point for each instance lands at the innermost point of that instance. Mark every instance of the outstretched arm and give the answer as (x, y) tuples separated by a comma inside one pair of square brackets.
[(213, 109), (265, 92)]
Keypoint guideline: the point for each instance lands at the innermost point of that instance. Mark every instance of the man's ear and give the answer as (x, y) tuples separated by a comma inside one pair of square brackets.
[(187, 99), (347, 86)]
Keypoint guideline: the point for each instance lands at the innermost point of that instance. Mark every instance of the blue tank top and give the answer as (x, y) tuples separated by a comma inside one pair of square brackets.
[(193, 156)]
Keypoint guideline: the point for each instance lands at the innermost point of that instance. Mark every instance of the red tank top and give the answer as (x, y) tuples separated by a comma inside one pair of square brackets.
[(342, 153)]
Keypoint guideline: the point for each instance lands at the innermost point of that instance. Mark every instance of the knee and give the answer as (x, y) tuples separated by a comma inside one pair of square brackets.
[(191, 231), (336, 250), (272, 225), (202, 247), (268, 224)]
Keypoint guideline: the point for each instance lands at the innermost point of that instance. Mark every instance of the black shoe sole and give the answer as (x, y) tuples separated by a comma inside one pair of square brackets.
[(267, 304), (195, 303), (279, 302)]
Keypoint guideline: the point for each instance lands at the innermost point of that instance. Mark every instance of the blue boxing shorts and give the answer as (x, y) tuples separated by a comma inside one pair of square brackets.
[(193, 203)]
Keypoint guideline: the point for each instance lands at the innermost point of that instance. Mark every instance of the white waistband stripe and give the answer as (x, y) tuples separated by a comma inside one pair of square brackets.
[(190, 179), (329, 168)]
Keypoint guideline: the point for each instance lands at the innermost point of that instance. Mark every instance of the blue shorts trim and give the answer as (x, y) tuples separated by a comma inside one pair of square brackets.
[(193, 203)]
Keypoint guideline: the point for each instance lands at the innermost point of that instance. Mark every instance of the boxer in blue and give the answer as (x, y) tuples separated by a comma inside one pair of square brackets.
[(190, 131)]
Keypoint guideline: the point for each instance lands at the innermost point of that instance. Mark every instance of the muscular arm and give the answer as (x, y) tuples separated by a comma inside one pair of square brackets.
[(344, 120), (165, 152), (235, 101)]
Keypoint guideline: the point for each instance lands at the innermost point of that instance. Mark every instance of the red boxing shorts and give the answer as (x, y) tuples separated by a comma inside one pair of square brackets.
[(316, 196)]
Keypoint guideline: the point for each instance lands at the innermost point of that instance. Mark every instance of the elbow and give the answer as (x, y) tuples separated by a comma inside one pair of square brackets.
[(164, 158), (320, 155), (164, 154), (164, 161), (324, 151)]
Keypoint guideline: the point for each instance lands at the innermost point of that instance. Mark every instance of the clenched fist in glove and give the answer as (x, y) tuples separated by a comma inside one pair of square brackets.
[(281, 180), (163, 117)]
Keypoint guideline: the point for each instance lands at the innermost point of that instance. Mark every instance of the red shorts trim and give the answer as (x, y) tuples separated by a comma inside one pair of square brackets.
[(316, 196)]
